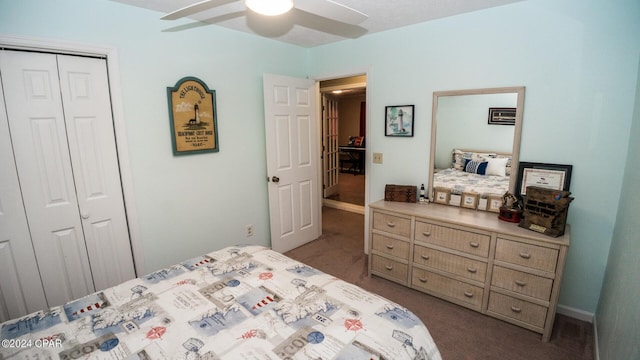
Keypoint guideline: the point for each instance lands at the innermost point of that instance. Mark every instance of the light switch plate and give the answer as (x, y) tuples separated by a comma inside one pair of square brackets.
[(377, 158)]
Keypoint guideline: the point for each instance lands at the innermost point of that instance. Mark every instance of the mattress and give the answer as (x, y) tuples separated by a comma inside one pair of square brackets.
[(459, 181), (245, 302)]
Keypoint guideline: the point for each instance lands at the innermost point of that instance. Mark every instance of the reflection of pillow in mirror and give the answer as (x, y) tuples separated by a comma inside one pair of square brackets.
[(475, 167), (497, 166)]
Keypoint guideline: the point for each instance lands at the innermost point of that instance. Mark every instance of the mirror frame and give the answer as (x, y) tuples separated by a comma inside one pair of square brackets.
[(515, 149)]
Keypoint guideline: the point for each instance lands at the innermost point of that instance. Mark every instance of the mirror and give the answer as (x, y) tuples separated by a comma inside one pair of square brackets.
[(481, 122)]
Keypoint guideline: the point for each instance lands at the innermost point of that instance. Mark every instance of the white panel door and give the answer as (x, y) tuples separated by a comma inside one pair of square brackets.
[(292, 161), (87, 111), (21, 290)]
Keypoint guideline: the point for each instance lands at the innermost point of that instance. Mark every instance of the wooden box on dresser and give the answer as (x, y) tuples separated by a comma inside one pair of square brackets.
[(470, 258)]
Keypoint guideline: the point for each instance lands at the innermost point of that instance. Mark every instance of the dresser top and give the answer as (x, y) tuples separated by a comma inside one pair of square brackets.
[(478, 219)]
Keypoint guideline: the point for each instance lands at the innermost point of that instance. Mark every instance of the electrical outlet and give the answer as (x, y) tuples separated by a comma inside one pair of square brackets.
[(377, 158), (249, 230)]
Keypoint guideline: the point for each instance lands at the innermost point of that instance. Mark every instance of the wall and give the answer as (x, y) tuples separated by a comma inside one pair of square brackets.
[(192, 204), (618, 319), (349, 112), (579, 63)]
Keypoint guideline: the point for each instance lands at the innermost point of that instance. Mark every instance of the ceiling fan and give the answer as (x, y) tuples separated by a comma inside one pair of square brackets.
[(323, 15)]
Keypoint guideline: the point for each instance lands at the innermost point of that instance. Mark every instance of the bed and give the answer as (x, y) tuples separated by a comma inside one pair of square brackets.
[(244, 302), (484, 173)]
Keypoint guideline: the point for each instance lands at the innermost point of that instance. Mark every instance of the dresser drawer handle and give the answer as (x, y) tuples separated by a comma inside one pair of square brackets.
[(525, 255), (389, 267), (520, 283), (474, 244), (390, 246), (422, 280), (472, 270), (516, 309), (426, 233), (391, 224), (468, 294), (425, 257)]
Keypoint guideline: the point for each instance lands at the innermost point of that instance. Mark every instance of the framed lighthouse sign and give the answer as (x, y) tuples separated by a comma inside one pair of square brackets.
[(398, 120), (192, 113)]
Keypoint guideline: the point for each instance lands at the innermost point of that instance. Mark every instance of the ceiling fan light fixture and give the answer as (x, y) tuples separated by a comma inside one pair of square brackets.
[(269, 7)]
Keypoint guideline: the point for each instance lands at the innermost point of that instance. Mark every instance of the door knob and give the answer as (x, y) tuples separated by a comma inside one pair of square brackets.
[(275, 179), (85, 215)]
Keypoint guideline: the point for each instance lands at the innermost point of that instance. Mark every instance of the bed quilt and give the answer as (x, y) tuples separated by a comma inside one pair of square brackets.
[(460, 181), (245, 302)]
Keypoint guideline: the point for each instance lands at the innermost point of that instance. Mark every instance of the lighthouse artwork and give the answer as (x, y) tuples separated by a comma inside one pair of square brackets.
[(399, 120), (192, 111)]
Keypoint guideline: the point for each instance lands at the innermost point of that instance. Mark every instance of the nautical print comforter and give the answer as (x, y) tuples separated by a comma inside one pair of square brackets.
[(245, 302)]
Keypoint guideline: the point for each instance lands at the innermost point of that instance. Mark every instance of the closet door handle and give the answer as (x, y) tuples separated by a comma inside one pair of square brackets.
[(84, 215)]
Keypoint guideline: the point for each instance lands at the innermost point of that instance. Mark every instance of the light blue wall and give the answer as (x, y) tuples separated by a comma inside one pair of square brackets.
[(578, 61), (192, 204), (618, 318)]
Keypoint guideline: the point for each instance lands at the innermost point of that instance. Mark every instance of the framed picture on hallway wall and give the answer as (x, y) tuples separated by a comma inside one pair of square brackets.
[(398, 120)]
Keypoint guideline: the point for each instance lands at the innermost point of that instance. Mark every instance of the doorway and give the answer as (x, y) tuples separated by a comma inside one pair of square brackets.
[(344, 142)]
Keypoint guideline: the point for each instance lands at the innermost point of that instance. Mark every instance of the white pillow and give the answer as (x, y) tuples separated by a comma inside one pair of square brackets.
[(497, 166)]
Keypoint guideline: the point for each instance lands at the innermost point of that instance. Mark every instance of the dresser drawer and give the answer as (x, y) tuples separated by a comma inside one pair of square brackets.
[(517, 309), (391, 246), (392, 224), (467, 241), (533, 256), (389, 268), (455, 264), (461, 291), (522, 283)]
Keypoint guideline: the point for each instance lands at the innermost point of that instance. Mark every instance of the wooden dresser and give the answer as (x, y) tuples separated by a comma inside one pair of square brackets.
[(470, 258)]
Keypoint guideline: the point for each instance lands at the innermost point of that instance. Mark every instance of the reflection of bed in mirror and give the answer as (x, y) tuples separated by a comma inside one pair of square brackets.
[(481, 172), (460, 123)]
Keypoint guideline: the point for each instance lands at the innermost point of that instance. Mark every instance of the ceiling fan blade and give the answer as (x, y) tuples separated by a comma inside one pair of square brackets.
[(205, 22), (195, 8), (331, 10), (329, 26)]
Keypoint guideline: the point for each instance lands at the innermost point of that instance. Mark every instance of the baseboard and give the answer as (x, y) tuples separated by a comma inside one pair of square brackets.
[(596, 351), (343, 206), (575, 313)]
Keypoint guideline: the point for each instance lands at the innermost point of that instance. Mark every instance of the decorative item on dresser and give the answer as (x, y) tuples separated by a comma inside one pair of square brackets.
[(403, 193), (470, 258)]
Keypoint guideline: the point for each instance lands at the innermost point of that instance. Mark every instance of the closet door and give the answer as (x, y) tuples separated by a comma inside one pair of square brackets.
[(87, 112), (59, 115), (21, 290), (36, 122)]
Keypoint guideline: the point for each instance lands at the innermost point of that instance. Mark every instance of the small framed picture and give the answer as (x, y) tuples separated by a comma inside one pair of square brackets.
[(454, 199), (494, 203), (502, 116), (398, 120), (469, 200), (441, 195), (482, 203)]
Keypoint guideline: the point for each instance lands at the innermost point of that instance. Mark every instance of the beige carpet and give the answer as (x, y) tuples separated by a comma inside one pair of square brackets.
[(460, 333)]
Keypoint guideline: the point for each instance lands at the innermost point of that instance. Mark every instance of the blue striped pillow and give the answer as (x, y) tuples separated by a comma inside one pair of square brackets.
[(475, 167)]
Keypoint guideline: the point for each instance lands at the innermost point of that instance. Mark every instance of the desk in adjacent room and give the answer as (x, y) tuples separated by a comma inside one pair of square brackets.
[(355, 159)]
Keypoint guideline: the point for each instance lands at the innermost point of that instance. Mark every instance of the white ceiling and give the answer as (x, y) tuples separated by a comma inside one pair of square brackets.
[(304, 29)]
